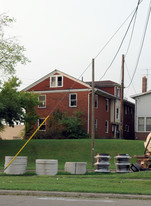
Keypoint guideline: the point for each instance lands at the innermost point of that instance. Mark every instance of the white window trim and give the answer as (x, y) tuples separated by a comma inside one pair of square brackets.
[(70, 100), (118, 117), (56, 79), (146, 124), (43, 124), (117, 91), (96, 125), (39, 100)]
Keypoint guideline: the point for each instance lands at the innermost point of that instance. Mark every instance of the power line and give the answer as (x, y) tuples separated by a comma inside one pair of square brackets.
[(129, 77), (120, 43), (142, 43), (132, 29), (110, 39)]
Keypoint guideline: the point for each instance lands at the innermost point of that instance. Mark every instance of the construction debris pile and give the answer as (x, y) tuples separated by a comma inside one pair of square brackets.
[(143, 162)]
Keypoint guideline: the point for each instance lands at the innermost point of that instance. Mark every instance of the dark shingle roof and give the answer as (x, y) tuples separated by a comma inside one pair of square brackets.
[(106, 83)]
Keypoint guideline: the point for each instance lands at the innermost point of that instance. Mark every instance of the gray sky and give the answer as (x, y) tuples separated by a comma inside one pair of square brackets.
[(67, 34)]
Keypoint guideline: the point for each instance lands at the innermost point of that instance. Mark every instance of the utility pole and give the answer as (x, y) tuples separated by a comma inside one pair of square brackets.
[(92, 127), (122, 96)]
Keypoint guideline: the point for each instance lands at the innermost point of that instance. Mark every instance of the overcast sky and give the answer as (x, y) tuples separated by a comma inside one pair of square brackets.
[(67, 34)]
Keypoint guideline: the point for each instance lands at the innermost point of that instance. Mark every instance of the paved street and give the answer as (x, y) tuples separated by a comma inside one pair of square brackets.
[(12, 200)]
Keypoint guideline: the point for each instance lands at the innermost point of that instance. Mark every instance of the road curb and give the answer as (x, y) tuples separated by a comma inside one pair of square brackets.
[(73, 194)]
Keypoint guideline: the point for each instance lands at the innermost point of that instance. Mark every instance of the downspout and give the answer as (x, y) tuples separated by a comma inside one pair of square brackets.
[(88, 127), (136, 118)]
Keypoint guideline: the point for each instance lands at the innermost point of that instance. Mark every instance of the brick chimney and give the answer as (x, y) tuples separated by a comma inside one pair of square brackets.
[(144, 84)]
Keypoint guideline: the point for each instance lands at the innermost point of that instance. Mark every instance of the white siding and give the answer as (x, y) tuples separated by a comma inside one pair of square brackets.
[(142, 108)]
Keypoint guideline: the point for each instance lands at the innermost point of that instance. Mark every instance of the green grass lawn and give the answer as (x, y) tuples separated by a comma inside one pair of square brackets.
[(80, 151), (68, 150), (129, 183)]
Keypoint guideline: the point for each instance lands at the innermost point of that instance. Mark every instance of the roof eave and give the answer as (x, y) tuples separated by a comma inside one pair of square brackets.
[(105, 94), (51, 73)]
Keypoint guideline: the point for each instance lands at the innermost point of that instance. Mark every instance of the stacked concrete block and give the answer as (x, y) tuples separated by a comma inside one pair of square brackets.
[(75, 167), (46, 167)]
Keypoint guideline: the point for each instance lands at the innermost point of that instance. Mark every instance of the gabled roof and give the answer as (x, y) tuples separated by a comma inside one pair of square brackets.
[(98, 84), (141, 94), (106, 83), (52, 73)]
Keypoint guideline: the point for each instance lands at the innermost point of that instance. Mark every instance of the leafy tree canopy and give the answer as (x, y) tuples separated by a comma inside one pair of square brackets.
[(11, 53), (15, 106)]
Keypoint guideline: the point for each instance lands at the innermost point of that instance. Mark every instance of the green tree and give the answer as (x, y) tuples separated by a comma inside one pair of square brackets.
[(73, 125), (63, 125), (11, 52), (17, 106)]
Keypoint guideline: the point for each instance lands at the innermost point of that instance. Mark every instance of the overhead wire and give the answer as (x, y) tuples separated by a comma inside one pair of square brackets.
[(121, 42), (142, 43), (66, 93), (102, 49), (129, 48), (129, 76), (132, 29)]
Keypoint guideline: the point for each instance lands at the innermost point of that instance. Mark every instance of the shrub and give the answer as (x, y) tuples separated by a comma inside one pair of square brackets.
[(64, 126)]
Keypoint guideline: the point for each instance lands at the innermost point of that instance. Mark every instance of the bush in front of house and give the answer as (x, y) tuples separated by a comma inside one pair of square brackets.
[(64, 126)]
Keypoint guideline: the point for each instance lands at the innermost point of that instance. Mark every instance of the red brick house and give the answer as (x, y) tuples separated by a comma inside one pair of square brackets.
[(60, 91)]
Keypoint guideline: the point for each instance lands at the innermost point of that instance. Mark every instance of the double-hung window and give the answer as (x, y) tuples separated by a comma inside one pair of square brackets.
[(106, 126), (56, 81), (42, 100), (148, 124), (117, 113), (117, 91), (141, 123), (107, 105), (72, 100), (43, 127)]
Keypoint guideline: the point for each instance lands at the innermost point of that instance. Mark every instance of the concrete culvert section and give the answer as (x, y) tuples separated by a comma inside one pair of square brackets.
[(17, 167)]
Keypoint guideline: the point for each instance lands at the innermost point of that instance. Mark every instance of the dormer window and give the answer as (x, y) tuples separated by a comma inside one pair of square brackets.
[(56, 81)]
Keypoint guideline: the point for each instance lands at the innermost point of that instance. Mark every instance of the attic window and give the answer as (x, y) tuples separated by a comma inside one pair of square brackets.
[(56, 81)]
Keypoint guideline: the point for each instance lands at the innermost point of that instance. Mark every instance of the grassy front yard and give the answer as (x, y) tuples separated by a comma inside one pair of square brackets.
[(79, 151), (129, 183)]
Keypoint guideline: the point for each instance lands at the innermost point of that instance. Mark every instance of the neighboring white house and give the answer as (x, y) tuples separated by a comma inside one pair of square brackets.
[(142, 112)]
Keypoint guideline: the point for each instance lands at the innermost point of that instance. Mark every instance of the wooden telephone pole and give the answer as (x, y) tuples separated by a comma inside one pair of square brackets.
[(122, 96), (92, 127)]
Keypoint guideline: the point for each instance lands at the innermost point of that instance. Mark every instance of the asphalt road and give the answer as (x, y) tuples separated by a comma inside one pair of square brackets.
[(14, 200)]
